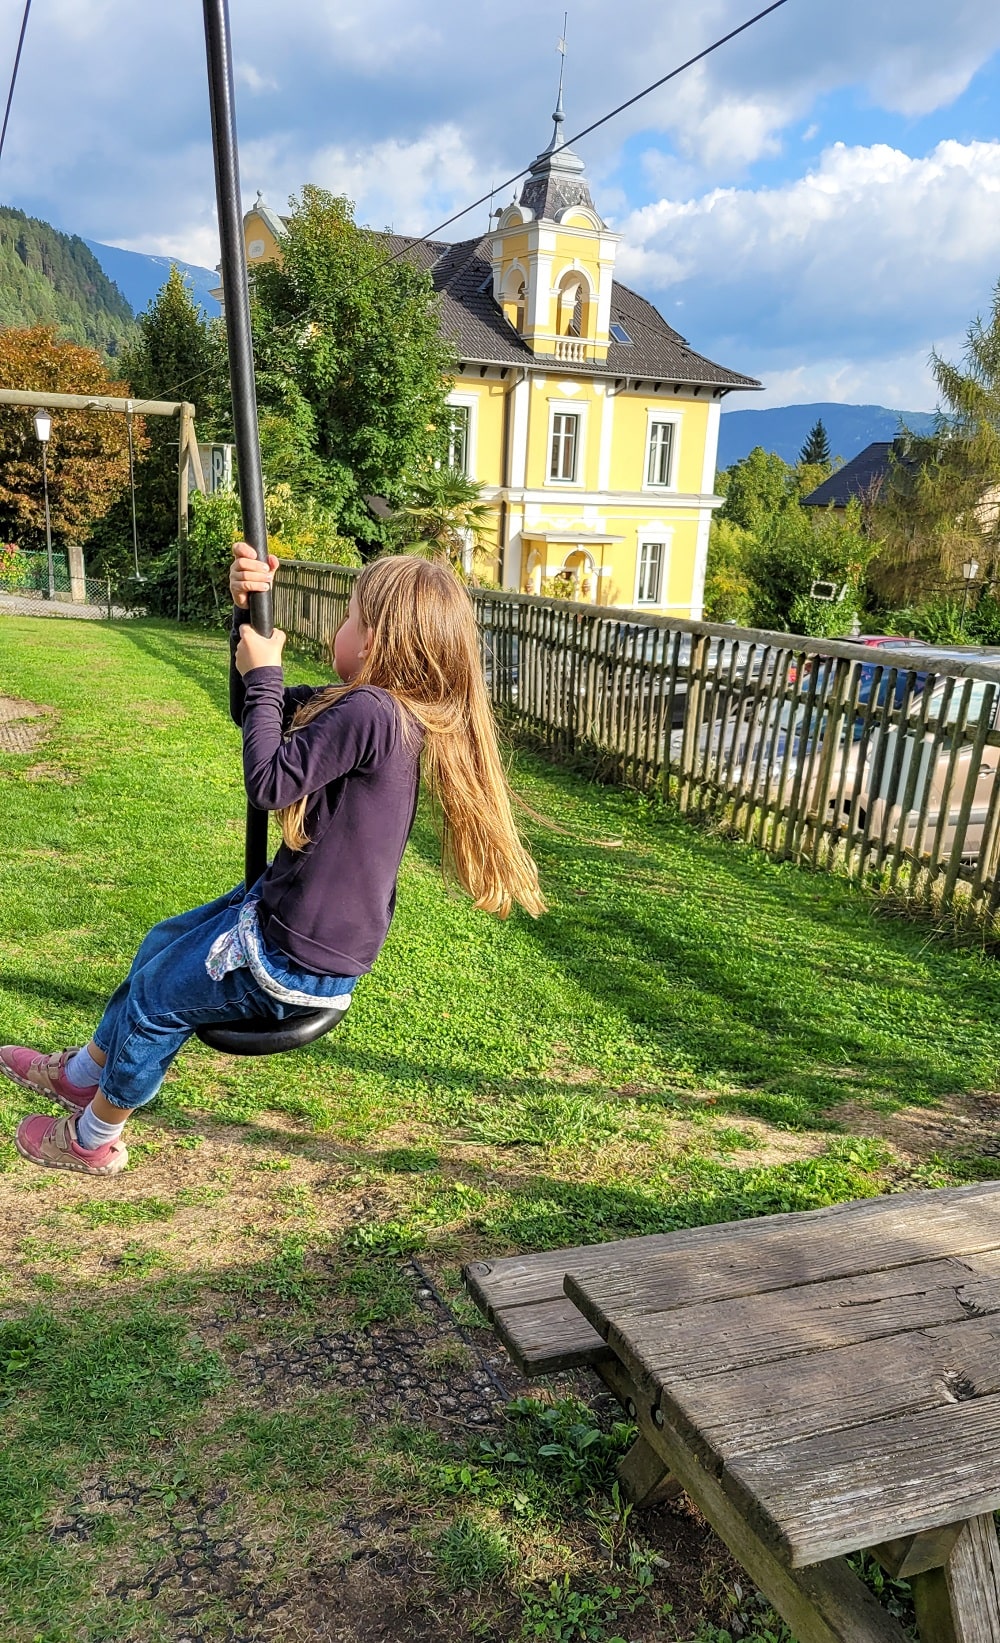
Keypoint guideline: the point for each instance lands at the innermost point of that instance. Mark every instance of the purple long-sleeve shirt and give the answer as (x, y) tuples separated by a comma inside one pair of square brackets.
[(329, 905)]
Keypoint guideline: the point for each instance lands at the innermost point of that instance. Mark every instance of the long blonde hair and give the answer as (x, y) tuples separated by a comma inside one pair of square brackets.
[(424, 651)]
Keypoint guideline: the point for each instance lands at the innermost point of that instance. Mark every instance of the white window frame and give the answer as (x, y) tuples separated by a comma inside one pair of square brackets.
[(654, 416), (566, 407), (652, 539), (470, 404)]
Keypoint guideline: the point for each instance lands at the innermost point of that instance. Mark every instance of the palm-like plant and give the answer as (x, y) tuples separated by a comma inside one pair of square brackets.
[(443, 517)]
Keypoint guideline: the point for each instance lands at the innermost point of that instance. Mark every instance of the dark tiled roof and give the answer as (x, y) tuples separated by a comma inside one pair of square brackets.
[(862, 476), (463, 277)]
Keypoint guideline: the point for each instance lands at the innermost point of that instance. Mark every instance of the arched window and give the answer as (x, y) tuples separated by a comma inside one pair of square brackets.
[(515, 300), (571, 311)]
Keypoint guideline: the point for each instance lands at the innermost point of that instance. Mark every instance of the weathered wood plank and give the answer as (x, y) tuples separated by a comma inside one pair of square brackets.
[(745, 1257), (644, 1477), (960, 1603), (972, 1574), (544, 1339), (843, 1490), (830, 1391), (717, 1337), (761, 1257), (915, 1554), (824, 1604)]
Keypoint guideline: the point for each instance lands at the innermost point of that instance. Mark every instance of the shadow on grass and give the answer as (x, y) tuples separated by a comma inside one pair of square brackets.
[(177, 648), (51, 991), (799, 990)]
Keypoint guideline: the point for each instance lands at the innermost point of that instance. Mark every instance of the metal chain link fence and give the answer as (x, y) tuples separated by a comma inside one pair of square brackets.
[(28, 590)]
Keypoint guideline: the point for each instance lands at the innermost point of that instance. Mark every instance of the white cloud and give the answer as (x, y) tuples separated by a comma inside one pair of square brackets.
[(871, 255), (246, 75)]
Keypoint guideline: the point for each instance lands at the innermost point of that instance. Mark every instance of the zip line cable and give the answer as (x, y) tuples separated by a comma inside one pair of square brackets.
[(420, 238), (13, 78)]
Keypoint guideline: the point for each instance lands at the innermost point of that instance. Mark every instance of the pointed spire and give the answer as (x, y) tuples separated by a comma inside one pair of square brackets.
[(559, 116), (556, 178)]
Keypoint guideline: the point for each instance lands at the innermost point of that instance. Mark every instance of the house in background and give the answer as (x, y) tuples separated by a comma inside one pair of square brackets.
[(589, 423), (861, 479)]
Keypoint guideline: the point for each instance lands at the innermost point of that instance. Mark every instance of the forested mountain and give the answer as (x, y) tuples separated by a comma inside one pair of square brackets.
[(49, 278)]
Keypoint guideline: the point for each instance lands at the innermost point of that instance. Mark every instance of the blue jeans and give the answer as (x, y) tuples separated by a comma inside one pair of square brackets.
[(168, 994)]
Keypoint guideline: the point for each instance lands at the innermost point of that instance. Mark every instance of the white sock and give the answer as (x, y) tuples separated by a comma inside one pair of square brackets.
[(82, 1070), (93, 1132)]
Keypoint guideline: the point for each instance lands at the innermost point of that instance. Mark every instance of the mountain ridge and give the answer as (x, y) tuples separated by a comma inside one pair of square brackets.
[(141, 276), (783, 429)]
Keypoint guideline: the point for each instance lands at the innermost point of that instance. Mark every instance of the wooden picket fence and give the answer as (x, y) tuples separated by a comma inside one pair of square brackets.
[(824, 751)]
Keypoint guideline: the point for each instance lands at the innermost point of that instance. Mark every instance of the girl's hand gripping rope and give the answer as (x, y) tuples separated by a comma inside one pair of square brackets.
[(248, 574)]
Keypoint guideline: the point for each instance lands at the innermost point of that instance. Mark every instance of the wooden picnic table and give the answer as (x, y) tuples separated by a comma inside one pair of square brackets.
[(818, 1383)]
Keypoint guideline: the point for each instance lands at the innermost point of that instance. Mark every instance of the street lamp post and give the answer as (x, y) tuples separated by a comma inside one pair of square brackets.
[(970, 570), (43, 430)]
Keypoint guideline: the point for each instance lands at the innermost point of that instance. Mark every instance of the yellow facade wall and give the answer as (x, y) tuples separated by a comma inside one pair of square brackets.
[(632, 414)]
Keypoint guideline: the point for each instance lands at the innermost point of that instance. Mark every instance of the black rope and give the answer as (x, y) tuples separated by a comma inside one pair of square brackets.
[(13, 78), (420, 238)]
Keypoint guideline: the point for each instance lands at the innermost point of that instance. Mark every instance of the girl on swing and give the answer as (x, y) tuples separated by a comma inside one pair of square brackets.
[(341, 766)]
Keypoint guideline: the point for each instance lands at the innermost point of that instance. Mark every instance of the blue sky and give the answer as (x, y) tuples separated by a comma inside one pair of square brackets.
[(817, 204)]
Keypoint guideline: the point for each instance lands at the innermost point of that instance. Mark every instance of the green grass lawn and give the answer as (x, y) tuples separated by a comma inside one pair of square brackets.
[(229, 1394)]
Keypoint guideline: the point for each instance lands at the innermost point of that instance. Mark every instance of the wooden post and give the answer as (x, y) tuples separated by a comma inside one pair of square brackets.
[(185, 437), (77, 584)]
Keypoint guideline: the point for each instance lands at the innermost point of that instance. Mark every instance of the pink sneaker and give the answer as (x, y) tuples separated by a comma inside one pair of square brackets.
[(52, 1142), (47, 1075)]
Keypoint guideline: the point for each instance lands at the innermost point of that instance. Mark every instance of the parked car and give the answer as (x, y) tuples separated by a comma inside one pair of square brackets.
[(790, 732)]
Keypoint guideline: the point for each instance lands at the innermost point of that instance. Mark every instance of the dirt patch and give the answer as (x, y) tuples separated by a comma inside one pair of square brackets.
[(18, 734), (966, 1125)]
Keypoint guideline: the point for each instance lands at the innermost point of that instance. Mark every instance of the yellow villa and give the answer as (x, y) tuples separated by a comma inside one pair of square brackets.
[(589, 423)]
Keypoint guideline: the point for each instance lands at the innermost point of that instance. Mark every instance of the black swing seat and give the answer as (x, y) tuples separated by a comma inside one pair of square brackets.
[(263, 1035)]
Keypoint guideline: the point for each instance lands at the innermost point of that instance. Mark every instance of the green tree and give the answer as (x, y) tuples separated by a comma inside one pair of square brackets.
[(87, 454), (766, 550), (49, 278), (756, 489), (816, 450), (939, 505), (351, 363), (174, 355), (444, 517)]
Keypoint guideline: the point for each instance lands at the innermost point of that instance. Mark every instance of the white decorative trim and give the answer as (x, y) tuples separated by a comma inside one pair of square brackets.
[(655, 534), (674, 501), (700, 566), (539, 302), (655, 413), (604, 452), (711, 445), (513, 554), (518, 435), (564, 407), (469, 402)]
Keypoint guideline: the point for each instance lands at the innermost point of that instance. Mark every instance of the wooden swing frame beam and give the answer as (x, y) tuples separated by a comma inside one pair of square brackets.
[(187, 443)]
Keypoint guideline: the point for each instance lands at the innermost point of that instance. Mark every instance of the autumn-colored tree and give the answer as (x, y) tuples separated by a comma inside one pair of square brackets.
[(87, 453)]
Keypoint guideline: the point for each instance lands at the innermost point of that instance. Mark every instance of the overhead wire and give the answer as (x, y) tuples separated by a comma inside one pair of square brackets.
[(13, 78), (419, 239)]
